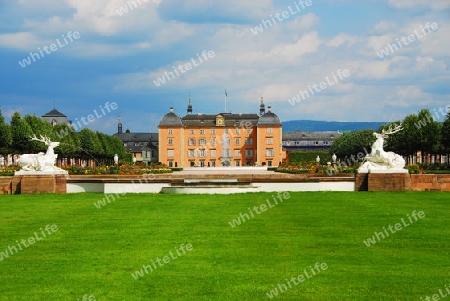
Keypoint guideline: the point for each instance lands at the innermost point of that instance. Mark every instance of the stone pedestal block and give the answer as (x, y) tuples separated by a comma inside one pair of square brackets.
[(5, 186), (35, 184), (361, 182), (389, 182)]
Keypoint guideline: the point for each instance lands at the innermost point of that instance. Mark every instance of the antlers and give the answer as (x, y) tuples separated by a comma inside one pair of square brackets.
[(391, 130), (46, 140)]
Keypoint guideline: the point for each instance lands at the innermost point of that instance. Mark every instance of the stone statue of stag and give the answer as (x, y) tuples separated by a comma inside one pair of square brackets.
[(41, 161), (378, 158)]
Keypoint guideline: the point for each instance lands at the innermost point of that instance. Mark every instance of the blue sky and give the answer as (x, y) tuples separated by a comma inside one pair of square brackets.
[(119, 56)]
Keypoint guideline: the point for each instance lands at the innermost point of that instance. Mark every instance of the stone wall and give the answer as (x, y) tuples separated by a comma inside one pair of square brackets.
[(433, 182), (402, 182)]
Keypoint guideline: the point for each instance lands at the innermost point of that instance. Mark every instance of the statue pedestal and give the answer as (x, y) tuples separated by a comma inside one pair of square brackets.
[(39, 182), (383, 181)]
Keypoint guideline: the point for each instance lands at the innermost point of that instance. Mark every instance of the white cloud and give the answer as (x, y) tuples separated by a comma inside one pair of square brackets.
[(22, 40), (435, 4), (384, 27), (341, 39)]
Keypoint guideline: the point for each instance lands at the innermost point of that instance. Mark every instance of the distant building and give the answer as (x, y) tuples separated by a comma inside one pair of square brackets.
[(143, 146), (55, 117), (309, 141), (222, 139)]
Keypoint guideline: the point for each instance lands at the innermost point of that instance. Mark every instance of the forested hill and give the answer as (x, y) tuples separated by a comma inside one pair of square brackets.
[(322, 126)]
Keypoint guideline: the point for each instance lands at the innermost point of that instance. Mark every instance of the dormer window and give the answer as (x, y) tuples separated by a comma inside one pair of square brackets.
[(220, 120)]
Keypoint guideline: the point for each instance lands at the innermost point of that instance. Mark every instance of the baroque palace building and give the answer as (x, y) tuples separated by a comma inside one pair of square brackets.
[(222, 139)]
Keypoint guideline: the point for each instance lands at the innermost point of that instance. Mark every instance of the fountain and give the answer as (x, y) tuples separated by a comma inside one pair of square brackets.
[(225, 159)]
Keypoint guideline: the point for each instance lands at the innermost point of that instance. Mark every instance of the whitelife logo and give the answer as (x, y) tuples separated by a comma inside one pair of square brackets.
[(49, 49), (341, 74), (244, 216), (281, 288), (132, 5), (166, 259), (188, 66), (76, 125), (11, 250), (391, 48), (281, 17), (371, 240)]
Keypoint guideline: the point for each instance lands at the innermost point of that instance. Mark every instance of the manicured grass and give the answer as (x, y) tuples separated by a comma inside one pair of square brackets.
[(95, 251)]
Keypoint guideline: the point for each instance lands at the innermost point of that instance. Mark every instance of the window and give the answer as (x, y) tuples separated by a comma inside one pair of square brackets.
[(213, 141), (249, 152), (191, 141), (202, 142), (238, 163), (237, 141), (202, 163), (170, 153), (269, 130), (269, 152), (249, 131), (269, 162), (170, 131), (149, 154), (249, 141), (238, 131), (226, 131), (269, 141), (202, 132), (202, 153), (213, 153), (213, 131), (136, 144), (170, 163), (191, 153), (237, 153), (191, 132), (170, 141)]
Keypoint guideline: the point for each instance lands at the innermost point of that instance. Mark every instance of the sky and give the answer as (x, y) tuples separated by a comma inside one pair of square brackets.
[(331, 60)]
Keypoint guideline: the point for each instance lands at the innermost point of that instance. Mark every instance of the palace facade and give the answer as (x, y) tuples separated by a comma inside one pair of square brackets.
[(222, 139)]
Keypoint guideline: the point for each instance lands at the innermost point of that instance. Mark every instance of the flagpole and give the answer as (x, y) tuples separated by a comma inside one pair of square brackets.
[(226, 96)]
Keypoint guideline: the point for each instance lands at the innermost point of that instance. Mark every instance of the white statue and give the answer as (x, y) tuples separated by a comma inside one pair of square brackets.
[(41, 161), (378, 159)]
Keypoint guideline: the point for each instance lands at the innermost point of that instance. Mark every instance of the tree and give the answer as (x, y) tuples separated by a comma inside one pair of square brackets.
[(21, 134), (403, 142), (39, 127), (5, 136), (428, 134), (91, 146), (445, 134), (69, 146), (353, 143)]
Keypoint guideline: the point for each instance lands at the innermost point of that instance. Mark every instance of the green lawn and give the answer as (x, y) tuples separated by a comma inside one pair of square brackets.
[(94, 252)]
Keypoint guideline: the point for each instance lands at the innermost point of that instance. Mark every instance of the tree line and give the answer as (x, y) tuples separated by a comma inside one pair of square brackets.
[(421, 133), (93, 147)]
